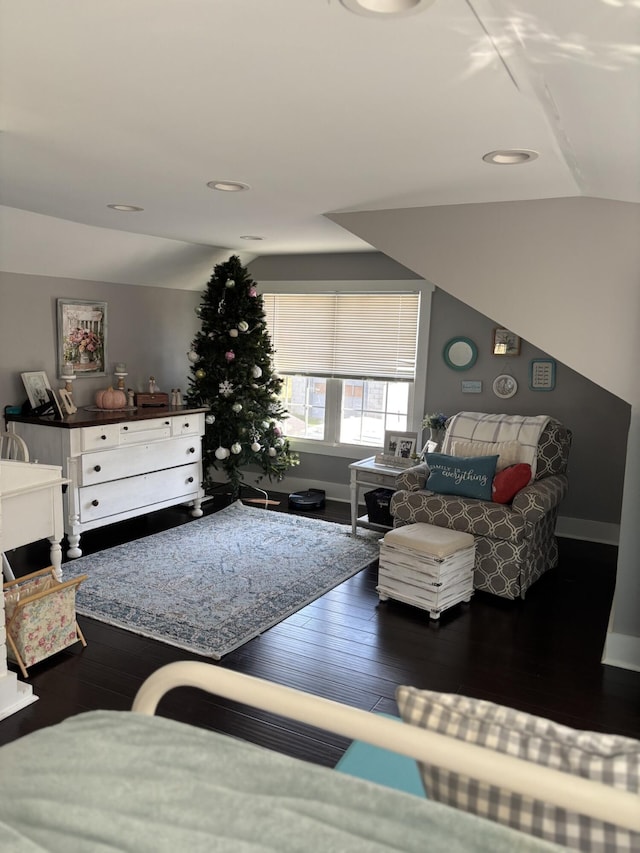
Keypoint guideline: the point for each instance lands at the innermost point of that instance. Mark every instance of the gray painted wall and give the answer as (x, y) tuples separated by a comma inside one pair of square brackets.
[(598, 419), (148, 328), (151, 328), (594, 415), (563, 273)]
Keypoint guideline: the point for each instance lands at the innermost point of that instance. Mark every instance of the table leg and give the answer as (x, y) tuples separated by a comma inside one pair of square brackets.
[(73, 550), (55, 555), (354, 503)]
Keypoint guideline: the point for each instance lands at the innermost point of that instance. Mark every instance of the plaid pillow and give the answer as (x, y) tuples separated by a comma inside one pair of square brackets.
[(610, 759)]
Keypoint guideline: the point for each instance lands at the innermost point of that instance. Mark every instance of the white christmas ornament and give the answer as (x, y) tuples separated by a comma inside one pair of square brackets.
[(210, 419), (230, 283), (255, 447), (243, 326), (265, 424), (237, 407), (256, 371), (193, 356), (278, 442), (272, 451), (221, 453), (236, 448), (225, 388), (233, 333)]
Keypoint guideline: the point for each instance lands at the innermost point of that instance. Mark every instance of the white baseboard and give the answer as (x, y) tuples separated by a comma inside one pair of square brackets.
[(588, 530), (622, 650), (569, 528)]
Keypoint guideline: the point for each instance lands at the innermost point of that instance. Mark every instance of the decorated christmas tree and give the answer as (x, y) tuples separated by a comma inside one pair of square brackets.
[(232, 374)]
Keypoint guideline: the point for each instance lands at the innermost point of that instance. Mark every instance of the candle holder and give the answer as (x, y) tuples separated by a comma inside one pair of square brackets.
[(120, 377), (66, 393)]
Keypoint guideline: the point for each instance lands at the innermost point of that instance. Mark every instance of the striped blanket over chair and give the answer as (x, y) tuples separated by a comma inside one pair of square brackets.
[(493, 429)]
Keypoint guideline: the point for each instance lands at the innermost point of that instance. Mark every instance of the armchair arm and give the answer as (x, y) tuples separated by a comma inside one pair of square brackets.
[(536, 499), (413, 479)]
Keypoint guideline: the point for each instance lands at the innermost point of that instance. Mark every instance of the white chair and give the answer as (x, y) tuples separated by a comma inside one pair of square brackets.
[(11, 447)]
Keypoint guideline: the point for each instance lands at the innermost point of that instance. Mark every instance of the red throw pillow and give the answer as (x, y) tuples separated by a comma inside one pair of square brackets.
[(507, 483)]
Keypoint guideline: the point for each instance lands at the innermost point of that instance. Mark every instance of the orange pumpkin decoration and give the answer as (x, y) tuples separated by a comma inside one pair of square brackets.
[(111, 398)]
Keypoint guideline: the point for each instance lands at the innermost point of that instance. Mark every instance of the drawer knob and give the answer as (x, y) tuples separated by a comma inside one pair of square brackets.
[(167, 423), (192, 450), (95, 502), (186, 426), (103, 437), (125, 428), (189, 479), (97, 468)]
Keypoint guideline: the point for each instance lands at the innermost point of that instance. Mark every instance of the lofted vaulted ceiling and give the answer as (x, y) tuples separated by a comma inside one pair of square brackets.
[(317, 109)]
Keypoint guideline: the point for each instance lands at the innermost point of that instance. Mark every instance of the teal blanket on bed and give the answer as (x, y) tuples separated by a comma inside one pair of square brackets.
[(107, 780)]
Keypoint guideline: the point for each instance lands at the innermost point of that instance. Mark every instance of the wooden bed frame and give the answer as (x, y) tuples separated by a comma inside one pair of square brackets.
[(564, 790)]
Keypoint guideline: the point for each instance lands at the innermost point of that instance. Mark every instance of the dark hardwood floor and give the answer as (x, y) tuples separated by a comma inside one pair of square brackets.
[(540, 655)]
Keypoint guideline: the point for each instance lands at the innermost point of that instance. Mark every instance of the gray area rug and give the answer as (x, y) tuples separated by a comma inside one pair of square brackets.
[(213, 584)]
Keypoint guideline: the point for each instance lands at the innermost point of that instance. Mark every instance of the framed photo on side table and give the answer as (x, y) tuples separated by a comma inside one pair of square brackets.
[(399, 449)]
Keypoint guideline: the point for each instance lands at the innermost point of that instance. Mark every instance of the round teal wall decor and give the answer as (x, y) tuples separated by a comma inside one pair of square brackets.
[(460, 353)]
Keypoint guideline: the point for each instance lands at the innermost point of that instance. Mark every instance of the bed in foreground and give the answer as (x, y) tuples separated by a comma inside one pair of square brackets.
[(108, 780)]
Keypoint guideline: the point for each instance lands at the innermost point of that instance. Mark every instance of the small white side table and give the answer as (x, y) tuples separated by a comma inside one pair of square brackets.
[(368, 472)]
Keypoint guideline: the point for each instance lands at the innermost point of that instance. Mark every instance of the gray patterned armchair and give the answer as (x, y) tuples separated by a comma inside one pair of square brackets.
[(515, 543)]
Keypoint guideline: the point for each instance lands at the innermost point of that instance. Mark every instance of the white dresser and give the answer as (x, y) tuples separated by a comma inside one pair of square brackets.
[(119, 465)]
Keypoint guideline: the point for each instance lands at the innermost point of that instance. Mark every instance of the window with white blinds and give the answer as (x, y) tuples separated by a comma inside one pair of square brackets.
[(342, 335)]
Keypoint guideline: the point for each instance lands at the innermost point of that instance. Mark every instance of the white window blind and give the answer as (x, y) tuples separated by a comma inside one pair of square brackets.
[(363, 335)]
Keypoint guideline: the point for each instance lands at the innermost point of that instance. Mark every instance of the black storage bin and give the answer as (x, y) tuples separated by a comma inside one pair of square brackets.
[(377, 503)]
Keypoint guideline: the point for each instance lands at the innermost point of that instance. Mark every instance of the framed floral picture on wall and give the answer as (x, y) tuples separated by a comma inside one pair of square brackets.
[(505, 342), (82, 337)]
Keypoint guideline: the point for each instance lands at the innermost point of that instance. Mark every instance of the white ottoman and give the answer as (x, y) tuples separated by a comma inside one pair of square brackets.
[(427, 566)]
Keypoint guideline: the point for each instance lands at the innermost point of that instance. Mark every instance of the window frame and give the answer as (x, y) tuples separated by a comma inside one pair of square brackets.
[(331, 446)]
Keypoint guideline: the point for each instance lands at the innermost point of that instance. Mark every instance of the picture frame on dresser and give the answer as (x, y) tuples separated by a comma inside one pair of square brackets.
[(82, 337), (36, 384), (55, 405)]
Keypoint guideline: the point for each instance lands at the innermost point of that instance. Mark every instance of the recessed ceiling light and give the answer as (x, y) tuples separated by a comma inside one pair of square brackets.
[(386, 8), (125, 208), (250, 237), (510, 157), (228, 186)]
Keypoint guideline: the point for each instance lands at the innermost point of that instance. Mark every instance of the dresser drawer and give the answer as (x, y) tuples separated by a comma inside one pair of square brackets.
[(129, 461), (188, 424), (106, 499), (95, 438), (136, 432)]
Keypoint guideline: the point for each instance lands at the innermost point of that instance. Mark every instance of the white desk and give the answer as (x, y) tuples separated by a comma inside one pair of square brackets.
[(30, 510), (31, 497), (368, 472)]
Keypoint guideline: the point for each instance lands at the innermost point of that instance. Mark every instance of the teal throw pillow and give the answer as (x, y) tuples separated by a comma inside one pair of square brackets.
[(467, 476)]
